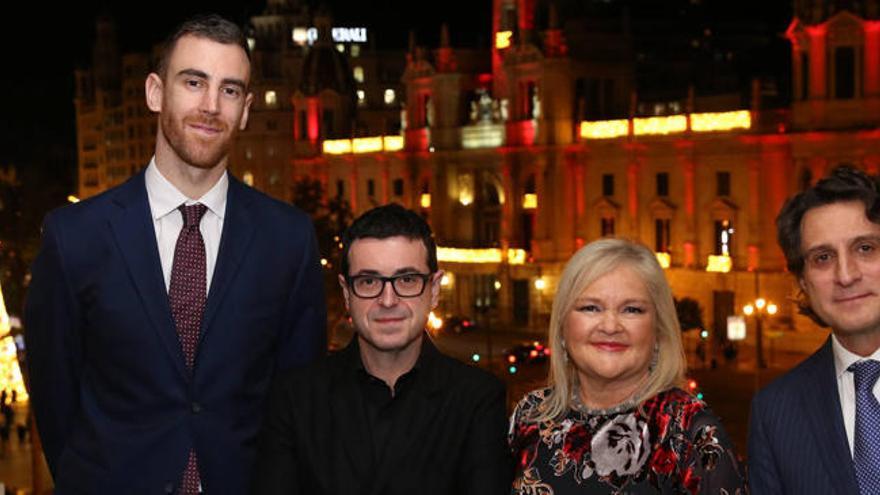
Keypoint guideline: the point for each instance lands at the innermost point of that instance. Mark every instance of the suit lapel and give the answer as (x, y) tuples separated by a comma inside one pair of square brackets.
[(822, 408), (133, 230), (238, 230)]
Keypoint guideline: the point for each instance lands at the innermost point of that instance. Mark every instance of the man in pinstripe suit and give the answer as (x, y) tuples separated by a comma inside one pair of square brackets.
[(815, 430)]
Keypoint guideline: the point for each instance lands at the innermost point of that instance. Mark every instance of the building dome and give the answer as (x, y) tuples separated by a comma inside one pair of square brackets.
[(324, 67)]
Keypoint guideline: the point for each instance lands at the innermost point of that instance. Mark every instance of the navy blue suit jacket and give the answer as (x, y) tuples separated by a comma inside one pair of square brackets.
[(797, 441), (116, 408)]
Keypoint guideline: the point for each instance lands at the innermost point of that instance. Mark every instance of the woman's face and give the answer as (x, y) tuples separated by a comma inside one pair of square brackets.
[(610, 333)]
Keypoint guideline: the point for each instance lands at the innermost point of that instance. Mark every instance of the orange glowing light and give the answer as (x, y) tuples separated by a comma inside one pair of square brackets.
[(659, 125), (502, 39), (604, 129), (664, 259), (719, 264), (721, 121)]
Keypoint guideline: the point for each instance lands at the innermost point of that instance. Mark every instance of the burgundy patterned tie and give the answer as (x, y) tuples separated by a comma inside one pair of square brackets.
[(187, 294)]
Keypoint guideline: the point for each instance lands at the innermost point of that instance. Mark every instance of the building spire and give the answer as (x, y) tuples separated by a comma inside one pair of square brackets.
[(445, 55), (554, 39)]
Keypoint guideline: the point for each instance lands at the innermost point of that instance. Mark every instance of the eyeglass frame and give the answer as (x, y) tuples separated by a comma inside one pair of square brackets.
[(351, 279)]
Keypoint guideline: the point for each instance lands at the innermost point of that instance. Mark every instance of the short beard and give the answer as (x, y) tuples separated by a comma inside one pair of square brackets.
[(203, 157)]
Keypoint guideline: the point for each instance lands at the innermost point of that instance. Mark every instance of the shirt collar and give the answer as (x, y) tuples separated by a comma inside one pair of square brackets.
[(427, 354), (165, 198), (843, 358)]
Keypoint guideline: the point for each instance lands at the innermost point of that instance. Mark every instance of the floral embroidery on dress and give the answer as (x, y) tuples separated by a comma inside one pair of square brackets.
[(671, 444)]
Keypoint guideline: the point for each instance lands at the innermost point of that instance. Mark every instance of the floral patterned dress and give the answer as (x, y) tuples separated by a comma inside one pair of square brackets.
[(672, 444)]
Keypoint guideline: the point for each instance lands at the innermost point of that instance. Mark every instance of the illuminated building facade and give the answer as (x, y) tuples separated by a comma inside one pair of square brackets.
[(552, 138)]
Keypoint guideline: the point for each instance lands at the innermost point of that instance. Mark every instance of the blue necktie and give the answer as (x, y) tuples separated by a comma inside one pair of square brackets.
[(866, 440)]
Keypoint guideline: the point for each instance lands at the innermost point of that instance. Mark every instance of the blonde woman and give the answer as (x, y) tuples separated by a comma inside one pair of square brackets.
[(613, 419)]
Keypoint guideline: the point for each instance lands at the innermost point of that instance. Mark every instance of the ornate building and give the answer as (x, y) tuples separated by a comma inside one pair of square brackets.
[(553, 137)]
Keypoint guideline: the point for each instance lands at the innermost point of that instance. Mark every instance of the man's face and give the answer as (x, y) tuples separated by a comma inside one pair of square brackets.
[(389, 323), (841, 276), (201, 99)]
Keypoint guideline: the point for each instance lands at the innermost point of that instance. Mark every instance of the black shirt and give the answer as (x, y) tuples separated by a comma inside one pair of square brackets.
[(382, 405)]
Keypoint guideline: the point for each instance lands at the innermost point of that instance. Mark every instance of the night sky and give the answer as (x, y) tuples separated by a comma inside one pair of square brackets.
[(43, 44)]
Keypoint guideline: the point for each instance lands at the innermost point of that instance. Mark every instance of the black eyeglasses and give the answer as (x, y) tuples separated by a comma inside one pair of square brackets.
[(404, 285)]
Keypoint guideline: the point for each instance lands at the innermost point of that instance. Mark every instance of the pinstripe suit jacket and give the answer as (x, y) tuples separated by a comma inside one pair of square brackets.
[(797, 441)]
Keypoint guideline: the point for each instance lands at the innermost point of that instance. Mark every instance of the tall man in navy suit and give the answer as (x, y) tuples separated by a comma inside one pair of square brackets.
[(160, 310), (816, 430)]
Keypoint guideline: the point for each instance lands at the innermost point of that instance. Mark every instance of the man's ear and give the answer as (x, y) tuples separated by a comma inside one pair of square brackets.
[(153, 90), (248, 101), (346, 295), (435, 288)]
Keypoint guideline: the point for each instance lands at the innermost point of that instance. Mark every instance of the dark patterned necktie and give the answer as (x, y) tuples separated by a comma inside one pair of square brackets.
[(866, 447), (187, 294)]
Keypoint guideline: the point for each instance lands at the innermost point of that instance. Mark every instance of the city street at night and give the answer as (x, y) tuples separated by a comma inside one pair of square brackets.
[(181, 188)]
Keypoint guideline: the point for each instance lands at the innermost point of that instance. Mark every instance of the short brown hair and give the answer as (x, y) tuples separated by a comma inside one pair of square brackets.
[(843, 185), (210, 26)]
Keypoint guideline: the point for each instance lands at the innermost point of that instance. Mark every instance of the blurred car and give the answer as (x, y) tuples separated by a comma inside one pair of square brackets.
[(459, 324), (527, 353)]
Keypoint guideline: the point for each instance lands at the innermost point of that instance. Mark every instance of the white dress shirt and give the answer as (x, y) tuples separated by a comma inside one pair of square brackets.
[(164, 200), (846, 385)]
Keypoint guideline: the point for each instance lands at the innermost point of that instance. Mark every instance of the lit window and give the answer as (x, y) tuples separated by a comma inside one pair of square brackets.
[(607, 227), (248, 178), (358, 73), (340, 48), (362, 97), (465, 189), (502, 39), (661, 235), (723, 237), (300, 35), (390, 96), (252, 43), (355, 51), (271, 98)]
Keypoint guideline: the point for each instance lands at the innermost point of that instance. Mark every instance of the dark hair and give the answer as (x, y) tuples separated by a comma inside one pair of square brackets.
[(844, 184), (210, 26), (386, 221)]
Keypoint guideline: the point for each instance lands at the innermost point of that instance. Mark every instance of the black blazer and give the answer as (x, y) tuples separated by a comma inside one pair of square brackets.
[(797, 441), (452, 439), (116, 408)]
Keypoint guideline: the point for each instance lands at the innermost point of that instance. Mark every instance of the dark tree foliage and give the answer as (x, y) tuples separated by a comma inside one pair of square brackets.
[(26, 195), (690, 314), (331, 217)]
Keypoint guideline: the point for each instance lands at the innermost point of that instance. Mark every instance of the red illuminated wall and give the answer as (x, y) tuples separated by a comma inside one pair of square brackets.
[(872, 58), (818, 86)]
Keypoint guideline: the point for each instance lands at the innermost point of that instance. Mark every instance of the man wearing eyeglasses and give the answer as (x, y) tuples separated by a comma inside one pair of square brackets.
[(389, 414)]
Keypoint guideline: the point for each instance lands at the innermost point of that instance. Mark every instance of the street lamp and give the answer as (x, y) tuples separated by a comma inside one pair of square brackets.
[(760, 308)]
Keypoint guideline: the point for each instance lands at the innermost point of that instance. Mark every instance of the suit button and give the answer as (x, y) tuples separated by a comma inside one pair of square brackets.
[(196, 407), (169, 487)]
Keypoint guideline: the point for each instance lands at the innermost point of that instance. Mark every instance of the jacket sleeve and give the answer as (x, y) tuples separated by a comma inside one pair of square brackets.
[(763, 475), (487, 466), (53, 345), (303, 336)]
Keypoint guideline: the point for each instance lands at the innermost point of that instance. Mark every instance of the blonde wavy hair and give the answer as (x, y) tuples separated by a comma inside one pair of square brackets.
[(586, 266)]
